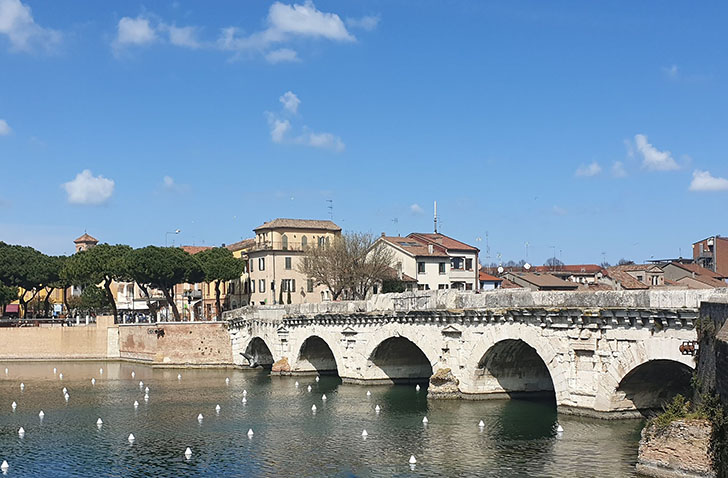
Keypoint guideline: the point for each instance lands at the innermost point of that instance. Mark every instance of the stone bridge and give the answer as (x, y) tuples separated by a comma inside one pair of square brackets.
[(610, 353)]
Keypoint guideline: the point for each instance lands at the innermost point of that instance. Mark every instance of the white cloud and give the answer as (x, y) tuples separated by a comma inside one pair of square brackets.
[(416, 209), (278, 128), (4, 128), (17, 23), (168, 182), (282, 55), (652, 158), (290, 101), (671, 71), (618, 170), (88, 189), (135, 31), (589, 170), (368, 23), (322, 140), (285, 23), (559, 211), (704, 181), (182, 36)]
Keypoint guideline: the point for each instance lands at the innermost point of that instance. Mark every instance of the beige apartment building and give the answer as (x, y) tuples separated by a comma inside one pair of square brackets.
[(273, 261)]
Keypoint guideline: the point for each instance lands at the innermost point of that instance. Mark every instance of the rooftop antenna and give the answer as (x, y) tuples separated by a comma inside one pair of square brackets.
[(487, 247), (435, 217), (331, 208)]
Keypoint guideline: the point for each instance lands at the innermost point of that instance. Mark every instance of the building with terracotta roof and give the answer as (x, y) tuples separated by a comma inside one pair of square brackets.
[(712, 253), (85, 242), (579, 273), (274, 257), (435, 260), (489, 282), (540, 281)]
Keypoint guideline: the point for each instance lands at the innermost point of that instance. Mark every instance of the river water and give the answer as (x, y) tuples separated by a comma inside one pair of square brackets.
[(289, 440)]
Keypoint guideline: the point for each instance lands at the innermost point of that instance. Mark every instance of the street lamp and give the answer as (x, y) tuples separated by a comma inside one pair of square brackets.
[(166, 236)]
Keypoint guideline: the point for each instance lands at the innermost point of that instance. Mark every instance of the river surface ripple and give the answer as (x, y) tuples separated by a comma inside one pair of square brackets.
[(518, 439)]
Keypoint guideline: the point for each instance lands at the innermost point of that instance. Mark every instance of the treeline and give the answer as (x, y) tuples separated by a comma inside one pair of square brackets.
[(25, 273)]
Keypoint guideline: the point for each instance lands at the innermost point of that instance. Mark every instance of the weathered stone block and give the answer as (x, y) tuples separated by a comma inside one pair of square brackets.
[(680, 450)]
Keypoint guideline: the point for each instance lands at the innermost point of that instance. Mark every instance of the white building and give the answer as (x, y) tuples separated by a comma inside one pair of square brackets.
[(435, 260)]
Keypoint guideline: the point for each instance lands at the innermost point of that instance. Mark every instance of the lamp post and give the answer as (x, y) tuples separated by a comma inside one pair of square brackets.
[(166, 236)]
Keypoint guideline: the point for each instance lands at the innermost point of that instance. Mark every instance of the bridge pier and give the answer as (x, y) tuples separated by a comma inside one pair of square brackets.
[(601, 360)]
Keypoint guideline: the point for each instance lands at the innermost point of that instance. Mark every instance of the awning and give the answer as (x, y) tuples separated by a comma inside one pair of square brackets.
[(12, 309)]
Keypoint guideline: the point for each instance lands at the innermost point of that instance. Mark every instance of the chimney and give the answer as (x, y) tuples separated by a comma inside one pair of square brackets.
[(382, 234), (430, 249)]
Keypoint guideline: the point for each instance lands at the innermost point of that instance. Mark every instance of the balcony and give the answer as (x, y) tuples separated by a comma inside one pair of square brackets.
[(192, 294)]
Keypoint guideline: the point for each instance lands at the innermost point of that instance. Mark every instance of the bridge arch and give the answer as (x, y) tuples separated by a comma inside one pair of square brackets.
[(258, 353), (644, 376), (396, 356), (501, 344), (316, 354)]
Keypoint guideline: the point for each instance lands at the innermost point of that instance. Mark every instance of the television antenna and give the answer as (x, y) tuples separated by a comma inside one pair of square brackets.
[(331, 208), (396, 225)]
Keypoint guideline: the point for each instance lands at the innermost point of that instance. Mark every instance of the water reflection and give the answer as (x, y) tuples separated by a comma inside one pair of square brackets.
[(518, 438)]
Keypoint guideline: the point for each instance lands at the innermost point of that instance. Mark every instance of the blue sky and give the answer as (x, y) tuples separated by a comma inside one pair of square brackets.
[(577, 127)]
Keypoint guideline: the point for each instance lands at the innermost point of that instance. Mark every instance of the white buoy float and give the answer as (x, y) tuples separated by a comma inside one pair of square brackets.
[(93, 381), (6, 370), (413, 460), (245, 393), (4, 467), (179, 376), (22, 386), (377, 409), (133, 374), (559, 428), (250, 433), (66, 396), (101, 371), (309, 388), (131, 438), (317, 378), (14, 405), (99, 422), (200, 417), (296, 384), (136, 404), (369, 394), (364, 434), (425, 420), (417, 387), (146, 397), (146, 390), (141, 384), (227, 380), (65, 390), (60, 376), (244, 400), (21, 432), (217, 408), (41, 415), (313, 408), (323, 397), (188, 453), (481, 424), (55, 370)]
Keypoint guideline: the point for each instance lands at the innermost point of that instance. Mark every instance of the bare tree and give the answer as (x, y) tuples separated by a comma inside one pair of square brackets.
[(351, 263)]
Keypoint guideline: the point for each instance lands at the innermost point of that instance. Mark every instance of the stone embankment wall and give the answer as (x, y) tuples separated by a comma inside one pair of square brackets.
[(176, 343), (679, 450), (182, 344), (59, 343)]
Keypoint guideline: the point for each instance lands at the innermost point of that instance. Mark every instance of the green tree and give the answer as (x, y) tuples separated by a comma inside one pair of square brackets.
[(163, 268), (99, 265), (25, 268), (94, 299), (7, 295), (219, 265), (393, 285)]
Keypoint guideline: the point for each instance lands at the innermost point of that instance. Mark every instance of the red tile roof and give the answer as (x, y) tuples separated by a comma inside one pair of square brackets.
[(547, 281), (86, 238), (244, 244), (283, 223), (706, 280), (624, 279), (487, 277), (414, 247), (697, 269), (443, 240), (574, 269), (194, 249)]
